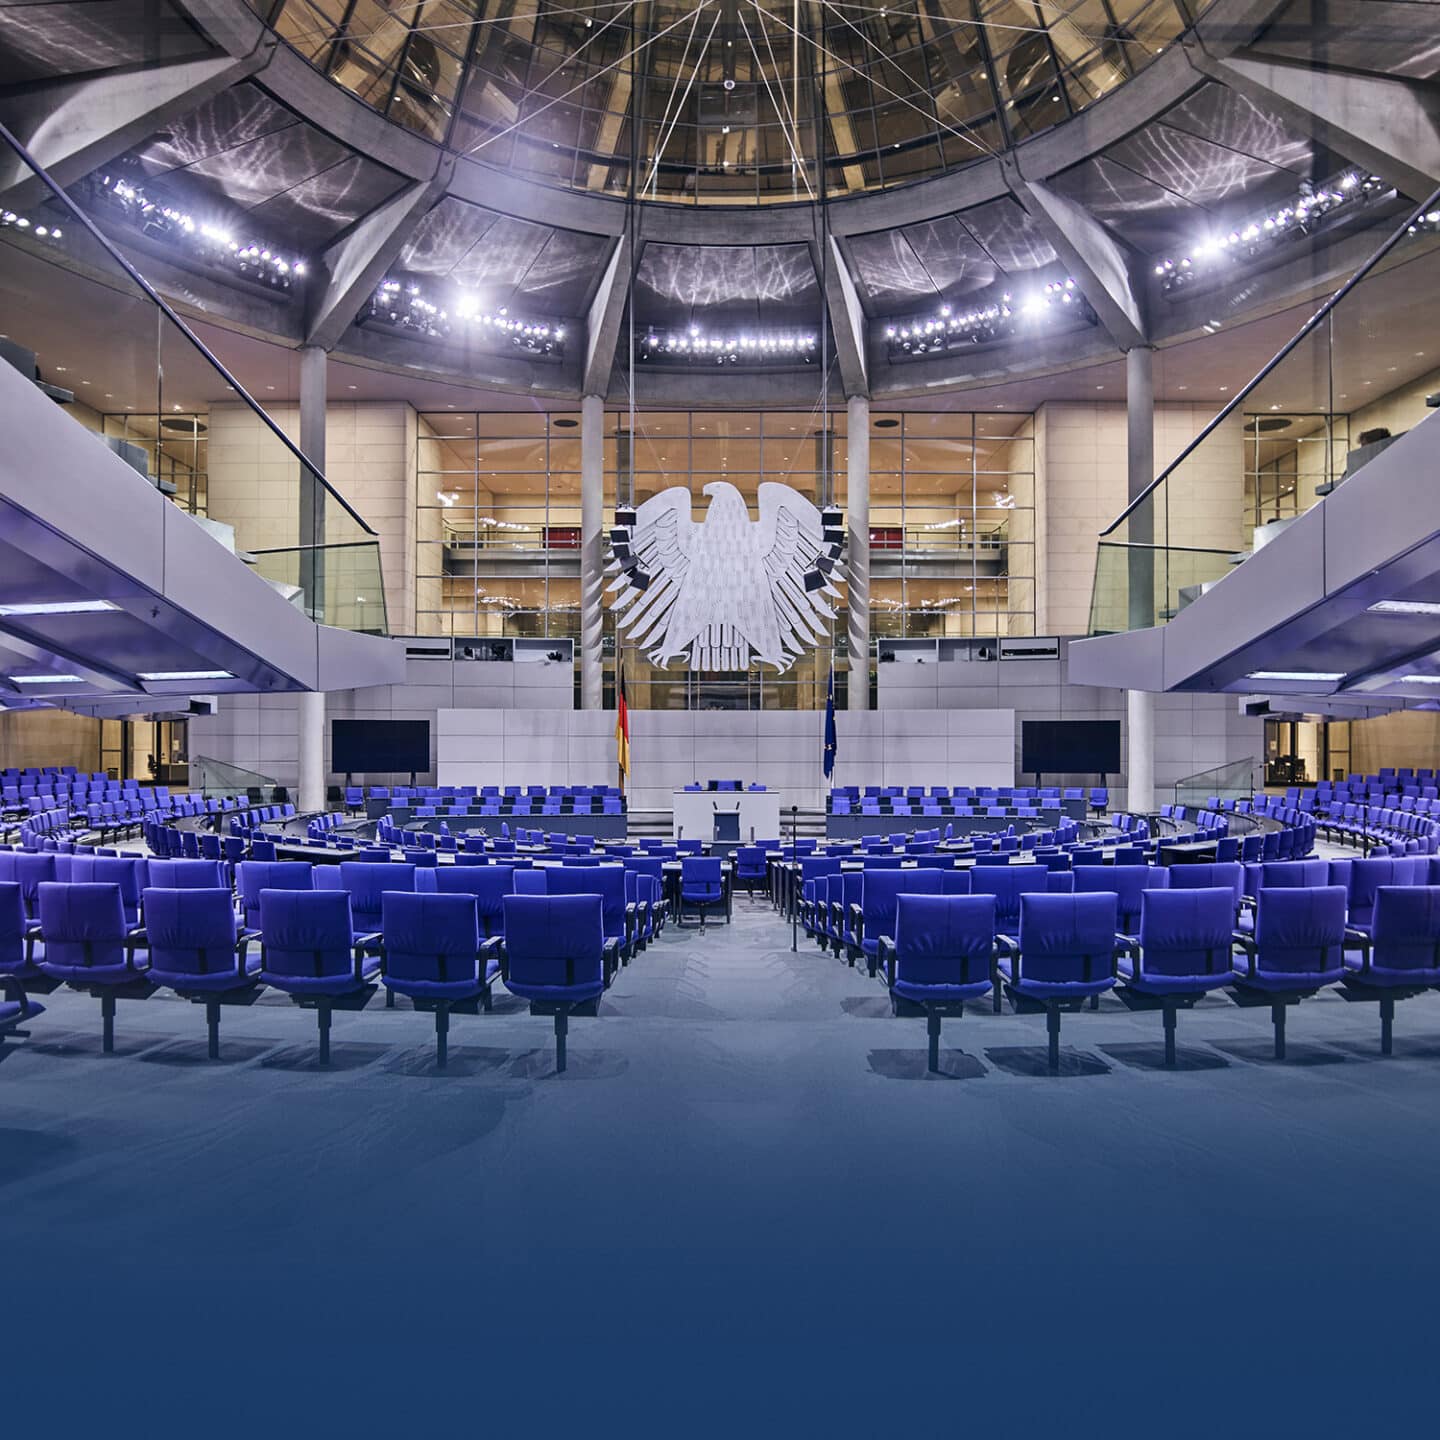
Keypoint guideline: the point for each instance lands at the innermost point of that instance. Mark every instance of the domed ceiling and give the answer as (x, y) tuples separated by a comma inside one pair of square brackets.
[(728, 101)]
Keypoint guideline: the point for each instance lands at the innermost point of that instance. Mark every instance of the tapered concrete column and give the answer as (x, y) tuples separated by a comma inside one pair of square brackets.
[(857, 550), (314, 364), (1140, 751), (311, 720), (592, 552), (1144, 565), (1140, 528)]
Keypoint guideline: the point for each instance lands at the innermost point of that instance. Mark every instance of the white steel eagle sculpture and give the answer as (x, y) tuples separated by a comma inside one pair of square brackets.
[(722, 590)]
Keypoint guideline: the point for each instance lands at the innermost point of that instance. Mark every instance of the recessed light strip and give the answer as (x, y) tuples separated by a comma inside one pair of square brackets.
[(59, 607), (1404, 607), (185, 675), (1299, 676)]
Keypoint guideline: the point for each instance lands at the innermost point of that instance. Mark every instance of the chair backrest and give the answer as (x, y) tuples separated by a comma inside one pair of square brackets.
[(12, 927), (191, 931), (367, 883), (1007, 883), (1406, 928), (32, 871), (606, 881), (1229, 874), (307, 932), (82, 924), (257, 875), (943, 939), (555, 941), (1187, 931), (1067, 938), (881, 890), (488, 884), (1300, 932), (1128, 883), (749, 861), (430, 937), (700, 873), (1366, 878), (185, 875)]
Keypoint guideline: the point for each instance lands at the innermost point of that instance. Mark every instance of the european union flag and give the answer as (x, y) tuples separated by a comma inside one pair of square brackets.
[(828, 758)]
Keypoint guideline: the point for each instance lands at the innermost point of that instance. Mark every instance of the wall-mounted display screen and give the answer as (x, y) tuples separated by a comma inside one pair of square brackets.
[(379, 747), (1070, 747)]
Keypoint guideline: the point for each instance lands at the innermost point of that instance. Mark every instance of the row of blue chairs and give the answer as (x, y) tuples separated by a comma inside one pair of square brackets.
[(553, 951), (947, 950)]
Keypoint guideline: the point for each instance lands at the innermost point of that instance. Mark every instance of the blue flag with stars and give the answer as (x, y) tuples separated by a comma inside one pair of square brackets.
[(828, 758)]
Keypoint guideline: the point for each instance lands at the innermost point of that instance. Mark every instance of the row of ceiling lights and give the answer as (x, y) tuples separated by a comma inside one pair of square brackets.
[(403, 306), (1004, 318), (694, 346), (1256, 238), (250, 259)]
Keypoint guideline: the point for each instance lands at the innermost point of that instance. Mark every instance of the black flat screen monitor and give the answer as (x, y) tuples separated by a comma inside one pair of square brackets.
[(380, 747), (1070, 747)]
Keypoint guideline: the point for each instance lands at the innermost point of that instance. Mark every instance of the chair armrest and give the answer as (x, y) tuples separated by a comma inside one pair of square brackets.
[(366, 945), (857, 921), (1364, 941), (611, 961), (242, 948), (136, 939), (1246, 944), (886, 955)]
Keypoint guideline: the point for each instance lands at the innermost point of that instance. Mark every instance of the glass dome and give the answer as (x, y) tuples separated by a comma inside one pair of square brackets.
[(728, 102)]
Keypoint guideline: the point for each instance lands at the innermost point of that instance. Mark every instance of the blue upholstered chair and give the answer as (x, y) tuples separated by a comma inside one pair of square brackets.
[(875, 915), (366, 885), (253, 876), (31, 872), (1399, 956), (556, 955), (434, 953), (750, 869), (702, 885), (941, 955), (1064, 956), (1297, 947), (489, 884), (608, 882), (1181, 953), (186, 875), (309, 949), (17, 940), (90, 944), (197, 951), (1128, 883)]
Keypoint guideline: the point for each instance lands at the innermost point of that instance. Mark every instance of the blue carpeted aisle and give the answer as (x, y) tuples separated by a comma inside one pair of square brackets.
[(745, 1205)]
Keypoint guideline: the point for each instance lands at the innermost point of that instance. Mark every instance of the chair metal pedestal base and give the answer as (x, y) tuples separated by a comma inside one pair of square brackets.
[(1386, 996)]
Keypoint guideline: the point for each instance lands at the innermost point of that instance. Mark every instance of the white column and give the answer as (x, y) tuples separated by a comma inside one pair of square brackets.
[(857, 550), (1140, 531), (310, 718), (1140, 751), (592, 551)]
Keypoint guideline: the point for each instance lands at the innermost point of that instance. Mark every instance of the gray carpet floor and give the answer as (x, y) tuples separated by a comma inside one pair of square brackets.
[(746, 1204)]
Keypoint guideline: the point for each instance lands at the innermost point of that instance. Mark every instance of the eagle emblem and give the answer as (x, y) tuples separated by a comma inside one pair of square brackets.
[(727, 590)]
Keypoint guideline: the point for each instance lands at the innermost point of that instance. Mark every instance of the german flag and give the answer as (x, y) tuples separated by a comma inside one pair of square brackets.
[(622, 720)]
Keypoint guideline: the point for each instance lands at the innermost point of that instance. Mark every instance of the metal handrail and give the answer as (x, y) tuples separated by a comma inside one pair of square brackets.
[(1278, 358), (113, 251)]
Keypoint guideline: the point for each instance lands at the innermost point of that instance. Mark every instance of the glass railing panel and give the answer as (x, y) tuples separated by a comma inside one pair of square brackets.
[(1139, 586), (335, 584), (220, 778), (1233, 781)]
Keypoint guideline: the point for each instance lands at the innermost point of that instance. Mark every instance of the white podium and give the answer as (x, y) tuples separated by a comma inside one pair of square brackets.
[(694, 813)]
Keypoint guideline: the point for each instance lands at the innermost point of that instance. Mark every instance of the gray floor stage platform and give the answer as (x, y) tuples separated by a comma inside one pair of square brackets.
[(745, 1177)]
